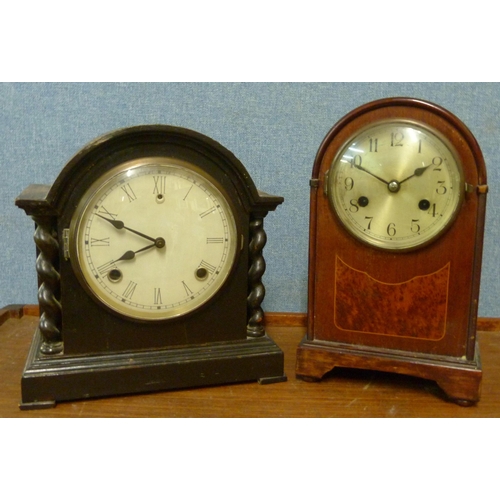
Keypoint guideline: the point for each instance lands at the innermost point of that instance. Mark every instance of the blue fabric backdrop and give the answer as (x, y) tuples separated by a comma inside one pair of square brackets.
[(275, 129)]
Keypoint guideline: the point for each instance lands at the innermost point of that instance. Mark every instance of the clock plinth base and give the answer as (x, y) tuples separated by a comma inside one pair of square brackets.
[(50, 379), (459, 379)]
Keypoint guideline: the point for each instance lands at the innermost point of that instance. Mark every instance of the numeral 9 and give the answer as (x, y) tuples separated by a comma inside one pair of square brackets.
[(349, 183)]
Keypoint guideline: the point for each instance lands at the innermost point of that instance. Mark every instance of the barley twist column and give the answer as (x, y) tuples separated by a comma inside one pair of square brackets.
[(257, 267), (49, 284)]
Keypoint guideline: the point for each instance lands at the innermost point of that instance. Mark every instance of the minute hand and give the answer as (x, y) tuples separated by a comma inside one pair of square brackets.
[(372, 174), (118, 224)]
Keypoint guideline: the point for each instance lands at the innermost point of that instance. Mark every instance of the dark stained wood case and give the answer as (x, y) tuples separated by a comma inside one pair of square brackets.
[(409, 312), (82, 350)]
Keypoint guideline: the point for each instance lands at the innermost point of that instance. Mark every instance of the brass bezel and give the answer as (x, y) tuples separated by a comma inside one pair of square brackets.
[(83, 206), (364, 237)]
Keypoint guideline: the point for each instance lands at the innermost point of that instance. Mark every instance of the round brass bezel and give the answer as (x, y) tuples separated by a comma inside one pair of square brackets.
[(388, 244), (84, 207)]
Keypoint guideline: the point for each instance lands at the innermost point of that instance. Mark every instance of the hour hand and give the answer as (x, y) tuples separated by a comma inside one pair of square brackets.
[(418, 172), (130, 254), (118, 224)]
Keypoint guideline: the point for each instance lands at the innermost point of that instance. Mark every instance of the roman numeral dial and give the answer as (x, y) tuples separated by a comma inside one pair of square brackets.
[(155, 238)]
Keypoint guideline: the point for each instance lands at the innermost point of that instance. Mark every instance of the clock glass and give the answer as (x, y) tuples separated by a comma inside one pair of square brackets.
[(396, 185), (153, 239)]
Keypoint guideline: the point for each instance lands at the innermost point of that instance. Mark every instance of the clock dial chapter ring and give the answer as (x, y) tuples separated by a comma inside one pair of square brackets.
[(153, 239), (396, 185)]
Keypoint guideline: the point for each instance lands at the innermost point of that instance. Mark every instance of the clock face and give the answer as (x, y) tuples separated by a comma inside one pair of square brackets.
[(396, 185), (154, 238)]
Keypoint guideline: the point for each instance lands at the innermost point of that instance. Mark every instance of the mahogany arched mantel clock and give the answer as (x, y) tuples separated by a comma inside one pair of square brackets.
[(398, 196), (149, 265)]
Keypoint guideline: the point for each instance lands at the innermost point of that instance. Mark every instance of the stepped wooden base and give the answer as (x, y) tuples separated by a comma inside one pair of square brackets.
[(458, 378), (48, 379)]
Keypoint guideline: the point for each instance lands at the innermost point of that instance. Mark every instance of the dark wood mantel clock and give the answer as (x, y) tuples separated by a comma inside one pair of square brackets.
[(398, 195), (149, 265)]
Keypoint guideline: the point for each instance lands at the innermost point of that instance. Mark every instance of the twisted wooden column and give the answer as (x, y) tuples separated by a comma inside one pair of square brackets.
[(257, 267), (47, 264)]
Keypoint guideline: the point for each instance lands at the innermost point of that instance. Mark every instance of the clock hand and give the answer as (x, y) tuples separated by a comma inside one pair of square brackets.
[(418, 172), (359, 167), (118, 224), (130, 254)]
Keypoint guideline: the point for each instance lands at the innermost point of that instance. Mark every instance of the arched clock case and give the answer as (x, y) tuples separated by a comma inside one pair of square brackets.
[(149, 262), (398, 196)]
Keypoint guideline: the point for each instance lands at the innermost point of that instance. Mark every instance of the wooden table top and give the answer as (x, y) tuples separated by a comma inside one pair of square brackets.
[(343, 393)]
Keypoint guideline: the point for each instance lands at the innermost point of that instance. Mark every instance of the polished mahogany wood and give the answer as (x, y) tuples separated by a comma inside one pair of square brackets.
[(344, 392), (408, 312)]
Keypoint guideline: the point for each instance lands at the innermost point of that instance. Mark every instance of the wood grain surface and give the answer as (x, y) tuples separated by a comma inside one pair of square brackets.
[(343, 393)]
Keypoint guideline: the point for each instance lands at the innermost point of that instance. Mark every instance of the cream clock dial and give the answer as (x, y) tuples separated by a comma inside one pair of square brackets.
[(153, 239), (149, 260), (396, 185)]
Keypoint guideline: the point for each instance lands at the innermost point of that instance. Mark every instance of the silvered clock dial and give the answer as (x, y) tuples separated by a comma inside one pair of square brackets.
[(396, 185)]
